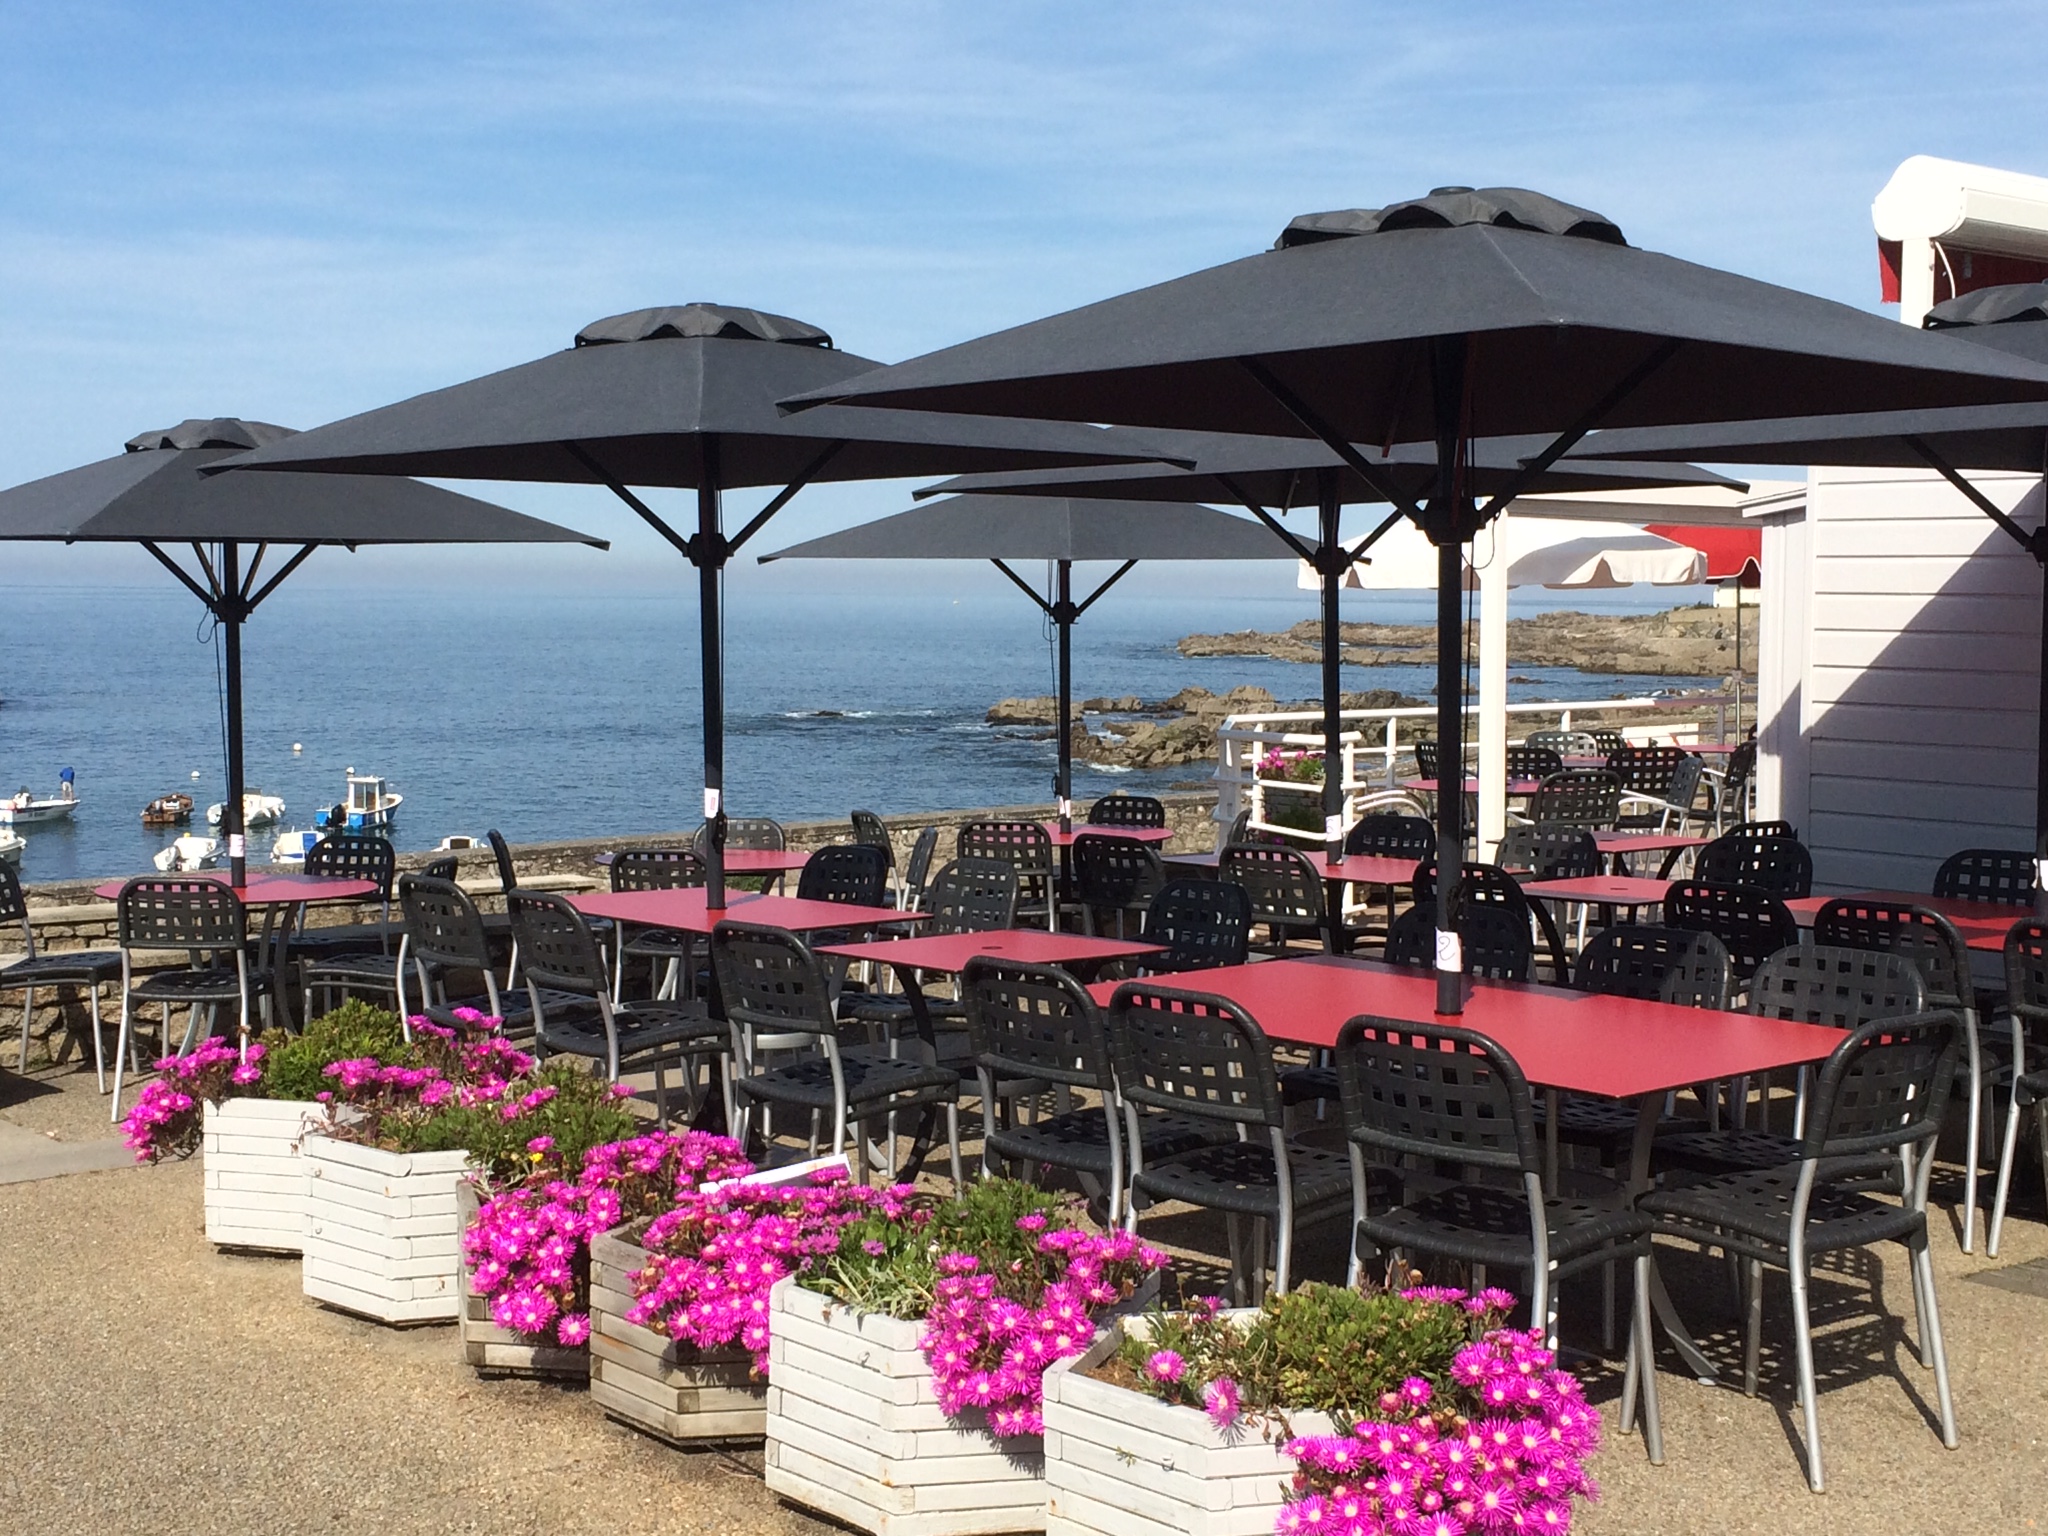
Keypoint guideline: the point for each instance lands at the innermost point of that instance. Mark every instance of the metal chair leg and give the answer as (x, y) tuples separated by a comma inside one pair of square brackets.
[(1976, 1112), (2005, 1159), (1809, 1397), (1752, 1347), (1931, 1326), (28, 1008)]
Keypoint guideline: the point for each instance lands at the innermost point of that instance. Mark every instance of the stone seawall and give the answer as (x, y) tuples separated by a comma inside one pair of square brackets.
[(69, 916)]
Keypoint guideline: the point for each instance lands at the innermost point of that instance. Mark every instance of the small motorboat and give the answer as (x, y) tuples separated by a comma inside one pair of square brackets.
[(11, 844), (23, 809), (459, 843), (258, 810), (172, 810), (187, 852), (293, 844), (370, 806)]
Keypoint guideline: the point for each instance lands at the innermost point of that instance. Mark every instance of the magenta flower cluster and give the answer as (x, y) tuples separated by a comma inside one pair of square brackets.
[(463, 1070), (165, 1117), (991, 1336), (528, 1250)]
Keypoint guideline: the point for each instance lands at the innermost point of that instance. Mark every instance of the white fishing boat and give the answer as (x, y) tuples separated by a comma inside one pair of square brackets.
[(370, 806), (11, 844), (258, 810), (293, 844), (185, 853), (24, 809), (458, 843)]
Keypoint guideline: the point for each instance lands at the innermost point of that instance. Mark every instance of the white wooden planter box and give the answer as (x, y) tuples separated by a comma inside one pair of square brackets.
[(382, 1237), (1121, 1463), (492, 1350), (255, 1179), (655, 1384)]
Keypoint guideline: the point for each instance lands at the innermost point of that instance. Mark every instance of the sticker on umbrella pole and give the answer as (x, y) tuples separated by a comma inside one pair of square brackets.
[(238, 847), (711, 802), (1450, 953), (1333, 828), (1066, 810)]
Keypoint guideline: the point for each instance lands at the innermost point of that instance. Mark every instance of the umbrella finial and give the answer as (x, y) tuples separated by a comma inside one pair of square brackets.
[(1449, 207), (209, 432), (675, 322)]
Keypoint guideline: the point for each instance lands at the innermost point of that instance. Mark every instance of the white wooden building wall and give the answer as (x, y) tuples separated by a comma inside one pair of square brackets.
[(1915, 696)]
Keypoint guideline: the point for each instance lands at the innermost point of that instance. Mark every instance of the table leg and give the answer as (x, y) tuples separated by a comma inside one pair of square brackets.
[(1649, 1108)]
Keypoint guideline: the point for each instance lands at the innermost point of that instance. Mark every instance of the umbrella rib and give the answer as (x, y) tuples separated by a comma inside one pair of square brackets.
[(1299, 409), (1118, 575), (276, 581), (1991, 509), (206, 565), (1272, 522), (178, 571), (653, 519), (1532, 469), (831, 451), (1025, 587)]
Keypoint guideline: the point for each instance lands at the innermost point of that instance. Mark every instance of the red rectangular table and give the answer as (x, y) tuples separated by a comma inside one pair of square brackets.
[(746, 861), (1351, 868), (1515, 786), (948, 953), (684, 910), (1983, 924), (1601, 890), (266, 890), (1061, 839), (1647, 842)]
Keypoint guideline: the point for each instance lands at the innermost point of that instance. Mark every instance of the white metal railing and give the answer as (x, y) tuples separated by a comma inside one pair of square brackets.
[(1369, 767)]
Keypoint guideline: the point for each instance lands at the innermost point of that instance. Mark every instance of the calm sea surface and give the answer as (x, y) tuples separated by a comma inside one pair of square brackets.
[(573, 715)]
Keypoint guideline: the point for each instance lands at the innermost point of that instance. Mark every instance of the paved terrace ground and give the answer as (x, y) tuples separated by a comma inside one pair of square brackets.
[(156, 1387)]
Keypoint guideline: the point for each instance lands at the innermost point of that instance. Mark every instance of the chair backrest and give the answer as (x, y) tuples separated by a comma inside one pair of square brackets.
[(1683, 787), (557, 950), (1202, 923), (1565, 743), (1495, 942), (1529, 761), (1752, 924), (1192, 1054), (442, 925), (1656, 964), (1826, 984), (2026, 970), (1114, 871), (13, 905), (1283, 883), (1036, 1022), (919, 868), (355, 856), (1579, 797), (971, 896), (1425, 756), (508, 877), (1607, 741), (744, 832), (656, 869), (1646, 770), (1885, 1086), (1121, 810), (442, 868), (868, 828), (1435, 1091), (170, 913), (1780, 865), (1918, 934), (1550, 850), (1391, 836), (2003, 875), (1025, 844), (768, 979), (1741, 764), (855, 874), (1764, 829), (1486, 885)]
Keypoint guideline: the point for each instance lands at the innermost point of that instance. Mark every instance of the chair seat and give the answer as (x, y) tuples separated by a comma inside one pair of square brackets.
[(517, 1015), (1240, 1176), (1308, 1085), (357, 970), (213, 984), (348, 938), (644, 1030), (1080, 1139), (887, 1008), (1607, 1125), (1480, 1224), (658, 943), (78, 967), (1751, 1214), (871, 1079)]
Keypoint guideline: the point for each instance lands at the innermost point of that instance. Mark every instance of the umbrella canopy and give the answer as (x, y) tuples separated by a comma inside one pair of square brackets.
[(1541, 552), (1061, 529), (1450, 317), (682, 396), (158, 494)]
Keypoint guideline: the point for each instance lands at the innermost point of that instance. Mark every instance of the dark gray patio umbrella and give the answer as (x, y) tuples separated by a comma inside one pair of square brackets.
[(1447, 319), (682, 397), (155, 495), (1061, 529)]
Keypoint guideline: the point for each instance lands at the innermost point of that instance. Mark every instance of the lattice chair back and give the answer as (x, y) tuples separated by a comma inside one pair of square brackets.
[(971, 896), (1579, 797), (1608, 740), (769, 980), (442, 868), (1565, 743), (1127, 811), (1842, 988), (1741, 764), (1532, 762), (868, 829), (1193, 1054), (355, 856), (1391, 837), (1780, 865), (1684, 786), (1035, 1022), (1485, 885), (1884, 1087), (556, 949), (744, 832), (1655, 964), (508, 876), (1025, 844), (656, 869), (1202, 923), (919, 869), (1437, 1092), (1495, 942), (1918, 934), (1426, 763), (2003, 875), (1282, 883), (2026, 971), (1551, 850), (1646, 770), (442, 925), (1114, 871), (13, 905), (180, 914), (853, 874), (1751, 924), (1764, 829)]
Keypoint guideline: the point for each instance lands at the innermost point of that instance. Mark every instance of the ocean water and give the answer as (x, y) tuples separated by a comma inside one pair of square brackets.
[(576, 714)]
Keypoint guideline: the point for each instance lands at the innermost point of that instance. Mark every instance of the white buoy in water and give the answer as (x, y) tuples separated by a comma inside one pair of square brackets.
[(195, 773), (297, 749)]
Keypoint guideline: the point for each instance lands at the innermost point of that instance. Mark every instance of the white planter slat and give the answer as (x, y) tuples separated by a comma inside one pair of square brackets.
[(382, 1235), (494, 1351), (254, 1178)]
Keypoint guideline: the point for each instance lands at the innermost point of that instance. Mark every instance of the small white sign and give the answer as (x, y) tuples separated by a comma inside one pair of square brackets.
[(711, 802), (1450, 953), (238, 846), (788, 1173)]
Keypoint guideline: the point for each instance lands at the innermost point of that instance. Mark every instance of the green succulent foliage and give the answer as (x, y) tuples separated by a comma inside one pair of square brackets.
[(294, 1065), (887, 1266), (583, 1113)]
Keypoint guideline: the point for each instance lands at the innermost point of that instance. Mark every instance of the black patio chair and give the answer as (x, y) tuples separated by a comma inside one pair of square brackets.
[(443, 935), (1495, 942), (967, 896), (1780, 865), (1121, 810), (1752, 925), (1646, 770), (1206, 1060), (1286, 892), (1532, 762), (2001, 875), (349, 958), (910, 889), (868, 829), (755, 832), (1672, 807), (1426, 764), (1566, 743), (773, 988), (1577, 797), (852, 874), (1607, 741), (85, 969), (568, 986), (1112, 876), (2025, 1070), (669, 952), (207, 920), (442, 868), (1491, 886), (1391, 837), (1732, 786), (1027, 846), (1879, 1098), (1765, 829), (1202, 924), (1550, 850)]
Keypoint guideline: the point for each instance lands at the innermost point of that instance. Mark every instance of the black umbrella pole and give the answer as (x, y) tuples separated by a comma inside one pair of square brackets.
[(1333, 675), (1450, 774), (1063, 616), (231, 645), (2041, 765), (710, 567)]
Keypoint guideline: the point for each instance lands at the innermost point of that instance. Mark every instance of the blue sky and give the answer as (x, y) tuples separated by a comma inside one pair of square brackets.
[(296, 212)]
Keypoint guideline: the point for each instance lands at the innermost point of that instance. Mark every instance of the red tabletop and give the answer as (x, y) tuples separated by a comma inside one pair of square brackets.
[(948, 953), (1607, 890), (746, 861), (1358, 868), (264, 890), (1582, 1042), (1136, 834), (685, 910), (1646, 842), (1983, 924), (1515, 786)]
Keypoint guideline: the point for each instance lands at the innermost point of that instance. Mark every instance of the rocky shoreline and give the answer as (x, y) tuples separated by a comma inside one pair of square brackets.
[(1130, 732)]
